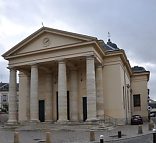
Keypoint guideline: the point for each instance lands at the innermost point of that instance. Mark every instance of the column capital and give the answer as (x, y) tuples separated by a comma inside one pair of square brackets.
[(12, 68), (99, 66), (24, 73), (35, 65), (61, 61), (90, 57)]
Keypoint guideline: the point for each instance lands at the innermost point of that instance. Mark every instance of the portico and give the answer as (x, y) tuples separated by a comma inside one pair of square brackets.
[(42, 81)]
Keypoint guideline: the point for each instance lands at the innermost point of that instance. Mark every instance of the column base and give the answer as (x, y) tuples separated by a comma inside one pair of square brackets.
[(23, 122), (92, 120), (62, 121), (74, 121), (11, 122), (100, 118), (49, 121), (34, 121)]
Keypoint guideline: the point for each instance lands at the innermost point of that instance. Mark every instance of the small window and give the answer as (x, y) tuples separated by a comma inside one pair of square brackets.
[(4, 98), (136, 100)]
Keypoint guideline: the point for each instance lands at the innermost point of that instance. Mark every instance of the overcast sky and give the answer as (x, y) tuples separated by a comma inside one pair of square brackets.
[(131, 23)]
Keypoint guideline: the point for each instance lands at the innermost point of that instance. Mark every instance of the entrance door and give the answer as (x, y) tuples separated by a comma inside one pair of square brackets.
[(84, 108), (68, 106), (57, 104), (41, 110)]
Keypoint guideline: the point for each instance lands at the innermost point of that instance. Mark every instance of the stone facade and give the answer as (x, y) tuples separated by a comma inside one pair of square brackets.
[(65, 76)]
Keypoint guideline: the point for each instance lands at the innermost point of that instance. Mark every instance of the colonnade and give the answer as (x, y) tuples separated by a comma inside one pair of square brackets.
[(94, 91)]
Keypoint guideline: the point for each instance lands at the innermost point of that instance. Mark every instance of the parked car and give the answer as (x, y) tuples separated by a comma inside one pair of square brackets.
[(152, 114), (136, 120)]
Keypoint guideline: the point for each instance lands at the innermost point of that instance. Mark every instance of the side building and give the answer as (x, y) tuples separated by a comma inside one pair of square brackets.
[(66, 76), (4, 102), (4, 90)]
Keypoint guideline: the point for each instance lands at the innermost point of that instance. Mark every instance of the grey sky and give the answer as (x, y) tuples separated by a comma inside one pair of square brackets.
[(131, 24)]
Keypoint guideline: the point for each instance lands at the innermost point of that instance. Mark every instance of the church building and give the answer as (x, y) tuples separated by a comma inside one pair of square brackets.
[(70, 77)]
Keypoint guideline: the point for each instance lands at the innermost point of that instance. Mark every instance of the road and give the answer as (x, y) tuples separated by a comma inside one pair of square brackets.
[(141, 139)]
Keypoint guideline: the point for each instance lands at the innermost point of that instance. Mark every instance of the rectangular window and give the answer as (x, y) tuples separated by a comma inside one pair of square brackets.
[(4, 98), (123, 90), (128, 100), (136, 100)]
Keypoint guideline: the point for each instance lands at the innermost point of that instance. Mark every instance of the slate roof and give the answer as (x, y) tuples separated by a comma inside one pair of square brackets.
[(109, 46), (138, 69), (5, 86)]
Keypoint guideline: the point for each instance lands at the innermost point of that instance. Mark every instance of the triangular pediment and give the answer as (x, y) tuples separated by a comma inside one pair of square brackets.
[(46, 38)]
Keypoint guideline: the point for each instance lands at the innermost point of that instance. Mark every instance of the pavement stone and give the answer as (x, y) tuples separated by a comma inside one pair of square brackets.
[(79, 133)]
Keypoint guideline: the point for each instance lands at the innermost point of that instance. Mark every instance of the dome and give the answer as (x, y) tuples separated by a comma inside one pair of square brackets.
[(112, 44), (138, 69)]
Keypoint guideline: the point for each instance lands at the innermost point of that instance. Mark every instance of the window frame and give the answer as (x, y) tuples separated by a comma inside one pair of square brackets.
[(136, 100)]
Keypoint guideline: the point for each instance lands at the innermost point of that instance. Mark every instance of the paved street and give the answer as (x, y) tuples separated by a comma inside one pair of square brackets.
[(141, 139), (75, 134)]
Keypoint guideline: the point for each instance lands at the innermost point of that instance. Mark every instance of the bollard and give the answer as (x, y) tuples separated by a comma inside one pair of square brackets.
[(16, 137), (48, 140), (154, 135), (101, 139), (140, 129), (92, 135), (119, 134)]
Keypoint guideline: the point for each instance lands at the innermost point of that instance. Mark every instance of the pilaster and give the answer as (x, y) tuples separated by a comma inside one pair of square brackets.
[(99, 93)]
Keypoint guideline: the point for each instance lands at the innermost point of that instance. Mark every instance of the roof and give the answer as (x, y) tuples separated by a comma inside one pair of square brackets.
[(111, 46), (5, 86), (137, 69)]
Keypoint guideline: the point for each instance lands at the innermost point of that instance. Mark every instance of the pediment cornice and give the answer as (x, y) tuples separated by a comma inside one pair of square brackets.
[(83, 38)]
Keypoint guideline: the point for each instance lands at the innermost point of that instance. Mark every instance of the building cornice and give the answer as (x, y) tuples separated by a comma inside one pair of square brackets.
[(92, 43), (49, 30), (122, 55), (145, 73)]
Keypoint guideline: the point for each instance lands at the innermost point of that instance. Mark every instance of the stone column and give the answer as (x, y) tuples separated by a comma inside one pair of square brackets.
[(48, 104), (91, 89), (74, 96), (24, 96), (34, 117), (62, 92), (99, 93), (12, 97)]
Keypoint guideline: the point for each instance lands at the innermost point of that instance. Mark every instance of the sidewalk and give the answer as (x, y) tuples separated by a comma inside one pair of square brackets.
[(79, 133), (127, 131)]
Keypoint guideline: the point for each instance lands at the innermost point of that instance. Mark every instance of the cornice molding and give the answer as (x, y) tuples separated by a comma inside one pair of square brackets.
[(48, 30)]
